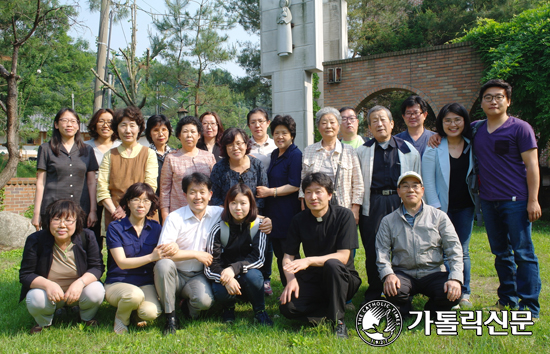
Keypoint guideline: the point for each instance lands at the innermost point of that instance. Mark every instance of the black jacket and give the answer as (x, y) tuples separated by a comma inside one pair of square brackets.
[(38, 257), (240, 253)]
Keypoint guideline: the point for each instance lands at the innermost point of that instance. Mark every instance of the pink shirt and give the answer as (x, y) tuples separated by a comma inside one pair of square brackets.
[(176, 166)]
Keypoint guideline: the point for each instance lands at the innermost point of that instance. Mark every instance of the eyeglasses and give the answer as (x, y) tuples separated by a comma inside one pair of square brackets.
[(58, 221), (489, 98), (204, 124), (350, 119), (415, 186), (256, 122), (68, 121), (413, 114), (138, 201), (236, 145), (456, 121), (105, 122)]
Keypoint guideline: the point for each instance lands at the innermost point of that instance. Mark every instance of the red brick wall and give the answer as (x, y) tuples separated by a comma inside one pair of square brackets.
[(442, 74), (19, 194)]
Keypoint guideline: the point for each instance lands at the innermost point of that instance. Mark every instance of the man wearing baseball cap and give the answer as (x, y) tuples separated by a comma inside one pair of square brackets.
[(410, 244)]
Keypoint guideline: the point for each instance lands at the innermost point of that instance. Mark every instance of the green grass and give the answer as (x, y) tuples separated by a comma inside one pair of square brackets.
[(209, 335)]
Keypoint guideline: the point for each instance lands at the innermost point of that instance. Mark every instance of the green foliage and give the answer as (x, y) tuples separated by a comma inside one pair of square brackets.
[(247, 12), (29, 212), (379, 26), (2, 198), (518, 51), (25, 169)]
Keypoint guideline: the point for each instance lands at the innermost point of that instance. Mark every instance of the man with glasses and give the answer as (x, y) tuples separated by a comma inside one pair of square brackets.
[(506, 150), (410, 245), (383, 159), (350, 125), (261, 144), (414, 111)]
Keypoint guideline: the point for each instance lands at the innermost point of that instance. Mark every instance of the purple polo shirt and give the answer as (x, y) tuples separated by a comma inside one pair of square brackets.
[(502, 173)]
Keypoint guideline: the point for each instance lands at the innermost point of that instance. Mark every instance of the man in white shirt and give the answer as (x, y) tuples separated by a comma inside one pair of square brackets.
[(186, 229)]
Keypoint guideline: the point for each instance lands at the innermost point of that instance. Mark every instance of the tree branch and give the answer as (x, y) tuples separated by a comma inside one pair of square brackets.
[(3, 106), (3, 72), (39, 18), (117, 73), (109, 86)]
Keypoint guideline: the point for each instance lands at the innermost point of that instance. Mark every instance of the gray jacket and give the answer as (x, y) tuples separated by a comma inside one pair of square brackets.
[(418, 250)]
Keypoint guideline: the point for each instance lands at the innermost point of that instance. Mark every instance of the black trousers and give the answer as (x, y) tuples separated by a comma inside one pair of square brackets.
[(323, 294), (380, 206), (431, 285), (97, 227)]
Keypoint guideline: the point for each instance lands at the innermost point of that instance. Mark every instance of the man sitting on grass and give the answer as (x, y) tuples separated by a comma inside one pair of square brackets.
[(410, 244), (319, 285)]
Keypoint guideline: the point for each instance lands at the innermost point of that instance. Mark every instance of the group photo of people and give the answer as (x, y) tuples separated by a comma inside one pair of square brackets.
[(179, 234)]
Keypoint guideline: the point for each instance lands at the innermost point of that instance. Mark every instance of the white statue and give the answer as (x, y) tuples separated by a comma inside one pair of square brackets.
[(284, 44)]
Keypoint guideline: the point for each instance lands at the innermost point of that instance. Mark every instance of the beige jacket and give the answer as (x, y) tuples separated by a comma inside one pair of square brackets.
[(418, 250)]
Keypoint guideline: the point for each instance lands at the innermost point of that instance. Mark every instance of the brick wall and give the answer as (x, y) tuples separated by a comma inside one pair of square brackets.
[(441, 74), (19, 194)]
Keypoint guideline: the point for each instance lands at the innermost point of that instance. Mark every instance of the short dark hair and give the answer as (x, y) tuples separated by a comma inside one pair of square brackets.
[(188, 120), (411, 101), (62, 209), (220, 125), (346, 108), (197, 178), (229, 137), (496, 83), (457, 109), (135, 191), (130, 112), (153, 121), (257, 110), (92, 124), (232, 194), (286, 121), (321, 179)]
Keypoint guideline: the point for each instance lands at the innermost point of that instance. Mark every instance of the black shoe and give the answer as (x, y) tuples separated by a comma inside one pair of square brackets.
[(341, 330), (263, 318), (171, 326), (228, 315)]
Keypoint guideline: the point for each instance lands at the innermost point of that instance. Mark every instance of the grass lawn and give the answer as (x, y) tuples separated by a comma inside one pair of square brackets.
[(211, 336)]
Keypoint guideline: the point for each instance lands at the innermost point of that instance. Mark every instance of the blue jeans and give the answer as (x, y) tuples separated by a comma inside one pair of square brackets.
[(463, 221), (509, 233), (252, 288)]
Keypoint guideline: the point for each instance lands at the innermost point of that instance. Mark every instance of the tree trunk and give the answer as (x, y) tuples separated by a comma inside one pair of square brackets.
[(12, 132)]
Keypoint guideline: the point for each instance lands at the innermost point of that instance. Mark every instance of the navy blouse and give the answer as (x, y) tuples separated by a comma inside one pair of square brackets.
[(223, 178), (283, 170)]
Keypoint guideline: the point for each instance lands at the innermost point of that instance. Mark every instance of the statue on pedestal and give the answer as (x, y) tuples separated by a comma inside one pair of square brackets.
[(284, 43)]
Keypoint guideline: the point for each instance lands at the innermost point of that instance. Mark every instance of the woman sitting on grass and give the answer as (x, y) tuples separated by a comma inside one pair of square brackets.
[(61, 266), (132, 244), (237, 247)]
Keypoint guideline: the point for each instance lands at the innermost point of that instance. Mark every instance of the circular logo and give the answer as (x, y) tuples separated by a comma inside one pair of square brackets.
[(378, 323)]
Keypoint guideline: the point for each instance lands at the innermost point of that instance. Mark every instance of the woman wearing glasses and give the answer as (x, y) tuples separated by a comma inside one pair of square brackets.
[(61, 266), (445, 171), (339, 161), (212, 132), (66, 169), (132, 244), (237, 166), (102, 140), (184, 162), (126, 164)]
